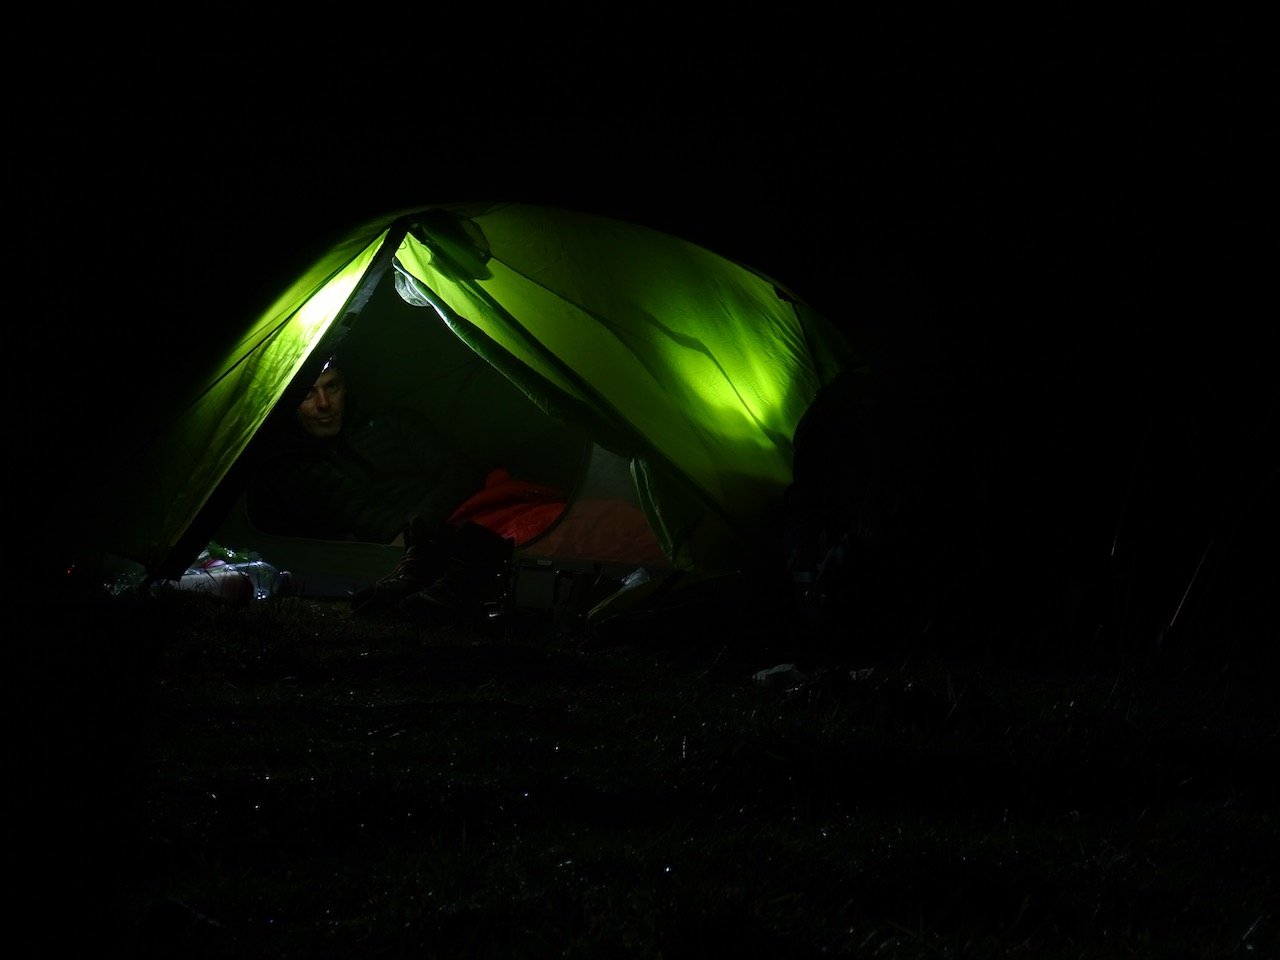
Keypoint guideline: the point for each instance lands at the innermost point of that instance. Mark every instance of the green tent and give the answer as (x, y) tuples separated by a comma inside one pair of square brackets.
[(618, 361)]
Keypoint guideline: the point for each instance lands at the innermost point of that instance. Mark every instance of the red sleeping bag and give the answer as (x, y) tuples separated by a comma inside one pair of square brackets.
[(595, 529)]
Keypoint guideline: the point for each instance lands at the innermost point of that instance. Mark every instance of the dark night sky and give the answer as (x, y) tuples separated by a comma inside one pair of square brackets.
[(1022, 182), (1058, 239), (1080, 199)]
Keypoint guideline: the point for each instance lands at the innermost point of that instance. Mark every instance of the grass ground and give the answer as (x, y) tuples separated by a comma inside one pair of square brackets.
[(284, 780)]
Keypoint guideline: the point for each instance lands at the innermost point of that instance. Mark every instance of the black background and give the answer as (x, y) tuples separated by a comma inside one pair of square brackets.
[(1049, 236)]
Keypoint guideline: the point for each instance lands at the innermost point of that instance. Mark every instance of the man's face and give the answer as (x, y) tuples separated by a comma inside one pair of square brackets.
[(321, 412)]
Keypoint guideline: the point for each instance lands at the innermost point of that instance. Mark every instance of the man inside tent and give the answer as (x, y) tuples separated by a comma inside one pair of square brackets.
[(337, 472)]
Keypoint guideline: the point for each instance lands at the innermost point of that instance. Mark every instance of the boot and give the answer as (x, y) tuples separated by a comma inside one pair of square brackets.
[(474, 575), (421, 564)]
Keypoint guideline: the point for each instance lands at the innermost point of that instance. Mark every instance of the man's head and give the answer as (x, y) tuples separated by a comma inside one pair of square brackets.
[(321, 411)]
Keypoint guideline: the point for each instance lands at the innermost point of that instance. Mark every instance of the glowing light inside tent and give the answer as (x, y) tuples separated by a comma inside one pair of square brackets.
[(317, 313)]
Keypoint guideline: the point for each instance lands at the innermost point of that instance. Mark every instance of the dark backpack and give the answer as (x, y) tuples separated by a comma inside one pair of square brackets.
[(866, 529)]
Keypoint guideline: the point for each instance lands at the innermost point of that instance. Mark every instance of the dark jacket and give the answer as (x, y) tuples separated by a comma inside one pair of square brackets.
[(363, 484)]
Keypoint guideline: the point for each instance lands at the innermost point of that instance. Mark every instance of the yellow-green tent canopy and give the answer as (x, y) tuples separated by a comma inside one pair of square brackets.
[(694, 368)]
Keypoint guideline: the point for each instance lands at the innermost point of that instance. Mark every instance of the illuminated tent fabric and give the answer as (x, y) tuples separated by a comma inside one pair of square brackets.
[(690, 369)]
